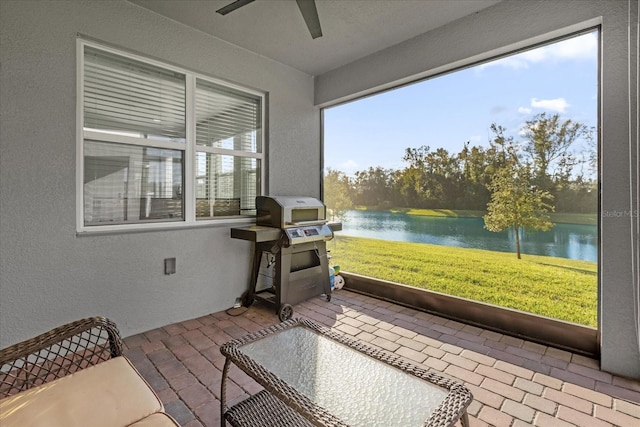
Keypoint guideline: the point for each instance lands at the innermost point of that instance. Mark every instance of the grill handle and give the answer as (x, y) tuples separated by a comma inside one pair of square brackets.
[(305, 223)]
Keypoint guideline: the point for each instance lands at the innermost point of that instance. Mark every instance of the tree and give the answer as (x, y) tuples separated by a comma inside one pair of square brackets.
[(413, 185), (373, 187), (433, 178), (515, 201), (474, 180), (409, 186), (444, 177), (336, 193), (549, 147)]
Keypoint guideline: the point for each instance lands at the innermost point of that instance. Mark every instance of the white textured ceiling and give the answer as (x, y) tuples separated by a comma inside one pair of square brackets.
[(351, 29)]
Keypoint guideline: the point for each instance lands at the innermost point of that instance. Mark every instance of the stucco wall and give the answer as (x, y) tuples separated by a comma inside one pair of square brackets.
[(48, 275), (503, 28)]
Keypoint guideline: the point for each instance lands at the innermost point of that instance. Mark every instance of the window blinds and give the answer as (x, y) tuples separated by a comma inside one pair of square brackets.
[(122, 95), (226, 118)]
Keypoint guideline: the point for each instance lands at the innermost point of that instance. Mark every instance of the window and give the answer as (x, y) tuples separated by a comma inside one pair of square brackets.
[(481, 183), (227, 166), (161, 145)]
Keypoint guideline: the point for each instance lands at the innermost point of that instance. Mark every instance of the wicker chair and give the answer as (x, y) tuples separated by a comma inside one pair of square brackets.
[(57, 353), (43, 381)]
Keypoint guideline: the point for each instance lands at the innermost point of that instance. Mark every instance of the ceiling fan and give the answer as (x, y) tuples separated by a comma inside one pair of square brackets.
[(307, 8)]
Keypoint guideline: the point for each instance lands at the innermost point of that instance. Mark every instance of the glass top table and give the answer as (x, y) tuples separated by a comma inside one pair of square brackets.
[(321, 377)]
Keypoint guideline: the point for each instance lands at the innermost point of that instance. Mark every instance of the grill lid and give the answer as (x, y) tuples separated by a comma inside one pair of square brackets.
[(289, 211)]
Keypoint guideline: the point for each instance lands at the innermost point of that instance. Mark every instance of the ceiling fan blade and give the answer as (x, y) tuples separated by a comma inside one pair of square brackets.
[(310, 15), (233, 6)]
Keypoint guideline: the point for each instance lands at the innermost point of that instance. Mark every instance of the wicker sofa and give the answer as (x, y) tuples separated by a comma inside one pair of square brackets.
[(75, 375)]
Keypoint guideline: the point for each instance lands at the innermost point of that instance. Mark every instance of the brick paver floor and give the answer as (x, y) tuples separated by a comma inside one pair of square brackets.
[(514, 382)]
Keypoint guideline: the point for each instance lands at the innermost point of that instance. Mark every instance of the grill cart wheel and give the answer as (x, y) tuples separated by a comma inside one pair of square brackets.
[(328, 297), (285, 312)]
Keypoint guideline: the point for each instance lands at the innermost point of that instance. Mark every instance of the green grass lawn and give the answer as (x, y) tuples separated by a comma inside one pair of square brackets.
[(554, 287)]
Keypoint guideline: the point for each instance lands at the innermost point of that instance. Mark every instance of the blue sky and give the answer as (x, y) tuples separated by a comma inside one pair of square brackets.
[(450, 110)]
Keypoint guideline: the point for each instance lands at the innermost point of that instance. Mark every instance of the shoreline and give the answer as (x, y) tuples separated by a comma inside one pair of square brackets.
[(556, 218)]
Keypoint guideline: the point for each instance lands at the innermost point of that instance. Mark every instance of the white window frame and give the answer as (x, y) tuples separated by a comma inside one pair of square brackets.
[(189, 148)]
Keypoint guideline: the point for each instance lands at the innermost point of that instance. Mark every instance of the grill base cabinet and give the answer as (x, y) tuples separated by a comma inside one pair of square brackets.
[(292, 231), (302, 272)]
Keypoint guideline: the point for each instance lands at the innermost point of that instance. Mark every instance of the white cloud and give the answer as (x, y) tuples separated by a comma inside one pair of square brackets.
[(559, 104), (524, 110), (349, 167), (513, 62), (577, 48), (583, 47)]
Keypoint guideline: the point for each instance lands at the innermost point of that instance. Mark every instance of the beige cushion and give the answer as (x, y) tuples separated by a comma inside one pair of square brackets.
[(109, 394), (156, 420)]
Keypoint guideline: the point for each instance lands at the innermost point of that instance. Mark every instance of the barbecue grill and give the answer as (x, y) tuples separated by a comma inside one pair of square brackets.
[(289, 252)]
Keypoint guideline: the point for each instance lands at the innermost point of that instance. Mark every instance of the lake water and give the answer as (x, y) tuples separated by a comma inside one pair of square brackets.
[(571, 241)]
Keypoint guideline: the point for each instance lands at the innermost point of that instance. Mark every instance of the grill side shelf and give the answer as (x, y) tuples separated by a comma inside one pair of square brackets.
[(256, 233)]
